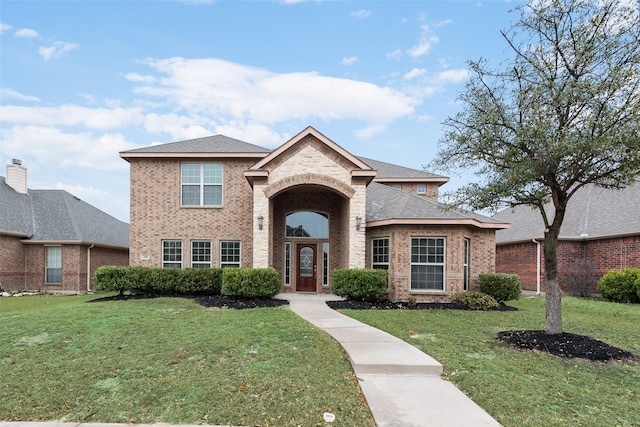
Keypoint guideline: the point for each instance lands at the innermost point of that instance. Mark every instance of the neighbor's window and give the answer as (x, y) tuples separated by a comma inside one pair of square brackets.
[(422, 188), (308, 224), (201, 254), (229, 254), (172, 253), (380, 253), (201, 184), (427, 263), (53, 264), (465, 263)]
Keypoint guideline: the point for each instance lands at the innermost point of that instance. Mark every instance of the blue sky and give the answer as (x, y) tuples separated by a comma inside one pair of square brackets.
[(81, 81)]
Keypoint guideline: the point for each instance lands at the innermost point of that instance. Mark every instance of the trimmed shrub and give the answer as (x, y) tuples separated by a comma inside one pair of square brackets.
[(366, 284), (159, 281), (621, 285), (501, 286), (113, 278), (247, 282), (475, 300)]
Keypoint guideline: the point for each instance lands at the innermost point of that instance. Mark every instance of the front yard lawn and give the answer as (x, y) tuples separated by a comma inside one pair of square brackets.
[(169, 360), (524, 388)]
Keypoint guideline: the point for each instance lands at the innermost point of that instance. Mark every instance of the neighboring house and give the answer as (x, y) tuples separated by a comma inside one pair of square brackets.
[(600, 232), (51, 241), (306, 208)]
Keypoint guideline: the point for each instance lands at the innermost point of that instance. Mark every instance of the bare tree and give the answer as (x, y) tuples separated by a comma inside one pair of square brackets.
[(563, 113)]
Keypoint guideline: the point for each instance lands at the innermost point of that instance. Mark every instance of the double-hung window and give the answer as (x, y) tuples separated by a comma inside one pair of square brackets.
[(200, 254), (380, 253), (201, 184), (53, 264), (229, 254), (172, 253), (427, 264)]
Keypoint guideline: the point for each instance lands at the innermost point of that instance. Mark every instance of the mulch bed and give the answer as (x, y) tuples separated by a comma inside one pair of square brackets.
[(389, 305), (215, 301), (564, 345)]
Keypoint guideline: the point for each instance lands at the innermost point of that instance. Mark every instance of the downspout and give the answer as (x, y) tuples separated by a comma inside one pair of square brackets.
[(89, 268), (537, 266)]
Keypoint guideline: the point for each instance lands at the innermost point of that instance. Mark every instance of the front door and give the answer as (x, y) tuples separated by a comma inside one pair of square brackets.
[(307, 268)]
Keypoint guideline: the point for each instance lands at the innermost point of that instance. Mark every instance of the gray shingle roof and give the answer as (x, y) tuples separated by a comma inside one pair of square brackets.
[(385, 203), (56, 215), (388, 170), (592, 213), (208, 144)]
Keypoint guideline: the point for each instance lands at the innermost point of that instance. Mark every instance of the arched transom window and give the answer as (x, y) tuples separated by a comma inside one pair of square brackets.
[(308, 224)]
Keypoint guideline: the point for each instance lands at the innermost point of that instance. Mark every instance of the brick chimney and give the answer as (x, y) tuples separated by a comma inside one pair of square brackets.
[(17, 177)]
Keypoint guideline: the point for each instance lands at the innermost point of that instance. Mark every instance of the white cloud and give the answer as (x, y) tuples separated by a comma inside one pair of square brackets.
[(246, 96), (423, 46), (135, 77), (396, 54), (453, 76), (361, 14), (26, 33), (350, 60), (55, 148), (10, 93), (72, 115), (4, 27), (56, 50), (415, 72)]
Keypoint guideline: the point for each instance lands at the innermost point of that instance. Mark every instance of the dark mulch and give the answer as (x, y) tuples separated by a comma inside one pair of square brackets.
[(389, 305), (564, 345), (218, 301)]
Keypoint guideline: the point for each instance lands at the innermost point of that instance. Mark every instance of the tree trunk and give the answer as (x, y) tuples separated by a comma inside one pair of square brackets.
[(552, 285)]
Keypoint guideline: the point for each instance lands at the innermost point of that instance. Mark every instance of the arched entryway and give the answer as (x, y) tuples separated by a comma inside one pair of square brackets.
[(309, 236)]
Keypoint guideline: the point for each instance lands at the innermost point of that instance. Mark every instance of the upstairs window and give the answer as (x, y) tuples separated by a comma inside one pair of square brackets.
[(201, 184), (422, 188)]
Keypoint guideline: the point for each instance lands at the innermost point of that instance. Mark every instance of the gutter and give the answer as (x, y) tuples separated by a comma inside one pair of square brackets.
[(537, 266)]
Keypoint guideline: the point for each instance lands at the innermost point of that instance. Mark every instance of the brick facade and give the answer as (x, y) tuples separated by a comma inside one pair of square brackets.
[(23, 265), (586, 260), (308, 173)]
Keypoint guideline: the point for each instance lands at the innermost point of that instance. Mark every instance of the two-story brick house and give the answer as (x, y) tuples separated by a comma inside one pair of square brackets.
[(305, 208)]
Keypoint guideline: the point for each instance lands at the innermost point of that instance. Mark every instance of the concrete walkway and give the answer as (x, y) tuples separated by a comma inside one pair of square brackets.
[(402, 385)]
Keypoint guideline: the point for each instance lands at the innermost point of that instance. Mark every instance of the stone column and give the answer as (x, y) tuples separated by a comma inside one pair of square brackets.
[(260, 237), (357, 240)]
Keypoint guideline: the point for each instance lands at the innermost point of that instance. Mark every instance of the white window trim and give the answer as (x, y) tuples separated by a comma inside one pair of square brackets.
[(421, 188), (202, 185), (228, 264), (287, 264), (373, 264), (172, 262), (210, 253), (443, 264), (466, 262), (46, 267)]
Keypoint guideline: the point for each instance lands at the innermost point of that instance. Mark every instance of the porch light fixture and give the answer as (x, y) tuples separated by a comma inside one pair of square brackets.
[(260, 222), (358, 222)]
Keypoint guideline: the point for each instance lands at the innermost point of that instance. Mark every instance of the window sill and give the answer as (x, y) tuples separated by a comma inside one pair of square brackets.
[(426, 292)]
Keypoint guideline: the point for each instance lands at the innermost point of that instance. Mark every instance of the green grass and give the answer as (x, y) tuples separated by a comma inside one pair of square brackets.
[(527, 388), (169, 360)]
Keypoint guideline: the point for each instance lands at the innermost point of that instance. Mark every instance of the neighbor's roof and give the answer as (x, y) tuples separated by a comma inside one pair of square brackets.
[(592, 213), (390, 172), (387, 205), (58, 216), (209, 144)]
